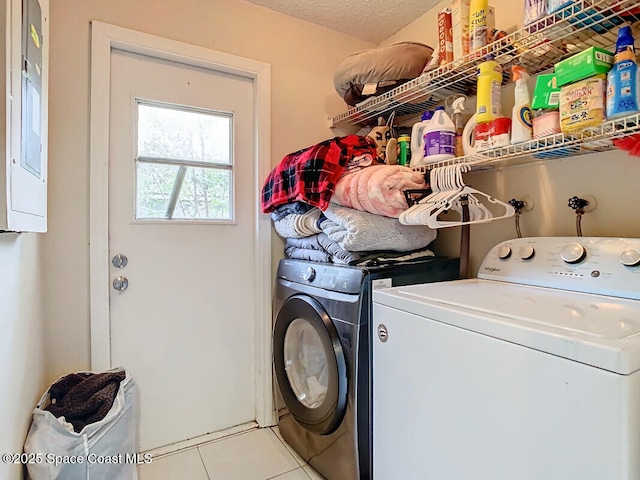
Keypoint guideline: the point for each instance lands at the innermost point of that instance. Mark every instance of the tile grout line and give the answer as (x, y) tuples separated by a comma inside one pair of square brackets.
[(288, 471), (294, 457), (289, 449), (203, 464)]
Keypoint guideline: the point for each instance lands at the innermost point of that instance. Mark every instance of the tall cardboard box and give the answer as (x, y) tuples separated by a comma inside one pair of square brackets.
[(460, 11)]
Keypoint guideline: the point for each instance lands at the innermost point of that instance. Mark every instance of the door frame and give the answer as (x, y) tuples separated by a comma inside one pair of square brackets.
[(105, 38)]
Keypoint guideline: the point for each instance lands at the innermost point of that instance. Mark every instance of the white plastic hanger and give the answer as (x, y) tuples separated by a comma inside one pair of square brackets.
[(433, 222), (448, 191), (442, 183)]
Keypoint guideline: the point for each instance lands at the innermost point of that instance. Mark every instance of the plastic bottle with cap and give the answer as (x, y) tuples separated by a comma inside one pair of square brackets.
[(439, 138), (623, 90), (417, 139), (489, 104), (521, 126), (404, 147), (458, 108)]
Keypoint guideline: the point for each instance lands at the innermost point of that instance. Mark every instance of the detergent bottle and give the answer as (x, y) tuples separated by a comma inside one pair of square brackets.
[(417, 139), (439, 138), (521, 127), (623, 90), (489, 106)]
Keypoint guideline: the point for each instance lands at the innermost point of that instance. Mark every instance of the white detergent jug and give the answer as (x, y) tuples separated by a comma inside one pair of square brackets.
[(417, 139), (439, 138)]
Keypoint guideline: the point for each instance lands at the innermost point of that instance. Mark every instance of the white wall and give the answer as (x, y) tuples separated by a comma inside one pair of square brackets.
[(303, 58), (21, 341), (611, 177)]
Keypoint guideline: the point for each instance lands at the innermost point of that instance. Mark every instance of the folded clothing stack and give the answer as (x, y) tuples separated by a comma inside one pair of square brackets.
[(357, 224), (353, 237)]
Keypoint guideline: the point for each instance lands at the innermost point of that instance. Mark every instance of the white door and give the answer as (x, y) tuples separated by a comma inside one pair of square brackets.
[(182, 196)]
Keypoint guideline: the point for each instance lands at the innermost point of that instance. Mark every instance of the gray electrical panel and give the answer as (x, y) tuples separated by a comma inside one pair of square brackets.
[(32, 39)]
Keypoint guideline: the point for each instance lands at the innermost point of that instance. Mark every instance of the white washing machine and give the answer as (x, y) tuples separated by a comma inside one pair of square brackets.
[(529, 372)]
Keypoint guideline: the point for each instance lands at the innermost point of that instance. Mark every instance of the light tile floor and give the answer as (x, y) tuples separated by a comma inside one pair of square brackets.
[(259, 454)]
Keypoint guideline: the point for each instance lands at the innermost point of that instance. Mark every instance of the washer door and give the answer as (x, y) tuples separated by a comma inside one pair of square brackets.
[(310, 365)]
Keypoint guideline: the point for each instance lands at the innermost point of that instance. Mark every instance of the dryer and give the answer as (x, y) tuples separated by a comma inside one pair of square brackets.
[(529, 372), (321, 350)]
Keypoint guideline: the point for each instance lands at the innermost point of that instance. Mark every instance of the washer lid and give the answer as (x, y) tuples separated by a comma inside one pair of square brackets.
[(593, 329)]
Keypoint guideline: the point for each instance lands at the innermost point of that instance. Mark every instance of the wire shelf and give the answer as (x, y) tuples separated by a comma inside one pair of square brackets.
[(537, 47), (592, 140)]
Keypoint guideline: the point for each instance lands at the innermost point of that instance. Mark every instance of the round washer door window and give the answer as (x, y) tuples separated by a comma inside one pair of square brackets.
[(306, 363), (310, 365)]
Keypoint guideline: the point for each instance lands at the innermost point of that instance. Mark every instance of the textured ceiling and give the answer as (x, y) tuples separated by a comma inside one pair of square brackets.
[(370, 20)]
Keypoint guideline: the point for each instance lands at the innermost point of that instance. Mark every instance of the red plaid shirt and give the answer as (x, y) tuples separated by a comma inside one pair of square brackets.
[(310, 175)]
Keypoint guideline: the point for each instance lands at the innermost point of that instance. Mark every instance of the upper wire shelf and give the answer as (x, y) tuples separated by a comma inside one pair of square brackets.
[(537, 47), (592, 140)]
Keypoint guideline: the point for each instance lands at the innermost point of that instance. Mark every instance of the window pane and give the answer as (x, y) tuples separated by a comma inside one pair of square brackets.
[(205, 195), (155, 184), (171, 133)]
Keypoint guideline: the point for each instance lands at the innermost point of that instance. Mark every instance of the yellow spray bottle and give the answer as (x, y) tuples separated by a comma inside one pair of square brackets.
[(489, 105)]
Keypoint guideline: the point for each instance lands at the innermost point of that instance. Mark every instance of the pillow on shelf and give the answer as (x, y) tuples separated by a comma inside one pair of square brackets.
[(375, 71)]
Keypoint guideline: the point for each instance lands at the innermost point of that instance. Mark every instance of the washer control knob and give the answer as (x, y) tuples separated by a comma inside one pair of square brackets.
[(504, 252), (630, 257), (573, 253), (527, 252), (309, 275)]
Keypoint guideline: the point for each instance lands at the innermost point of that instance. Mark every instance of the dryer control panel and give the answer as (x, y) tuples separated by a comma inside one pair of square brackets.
[(606, 266)]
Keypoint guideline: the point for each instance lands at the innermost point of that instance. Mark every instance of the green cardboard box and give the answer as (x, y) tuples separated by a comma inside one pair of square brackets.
[(590, 62), (546, 94)]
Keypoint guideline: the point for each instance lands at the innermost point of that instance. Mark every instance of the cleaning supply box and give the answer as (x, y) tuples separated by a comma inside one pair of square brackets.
[(588, 63), (460, 10), (478, 24), (546, 94), (545, 105), (582, 104)]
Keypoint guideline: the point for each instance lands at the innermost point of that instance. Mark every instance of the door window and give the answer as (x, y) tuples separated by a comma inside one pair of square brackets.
[(306, 363), (184, 163)]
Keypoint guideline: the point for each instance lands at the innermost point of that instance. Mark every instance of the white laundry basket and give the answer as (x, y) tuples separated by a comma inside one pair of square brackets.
[(104, 450)]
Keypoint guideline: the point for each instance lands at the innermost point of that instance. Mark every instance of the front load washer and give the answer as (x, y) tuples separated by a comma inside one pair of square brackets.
[(529, 372), (321, 350)]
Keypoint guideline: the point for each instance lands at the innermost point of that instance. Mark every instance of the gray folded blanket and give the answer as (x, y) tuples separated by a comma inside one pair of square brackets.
[(338, 254), (358, 231), (306, 249), (320, 248), (307, 254)]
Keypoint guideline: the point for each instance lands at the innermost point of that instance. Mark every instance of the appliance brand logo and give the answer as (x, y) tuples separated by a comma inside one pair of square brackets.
[(491, 269)]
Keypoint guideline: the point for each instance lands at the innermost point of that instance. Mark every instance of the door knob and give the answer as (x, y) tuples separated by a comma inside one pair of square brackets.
[(121, 283), (120, 261)]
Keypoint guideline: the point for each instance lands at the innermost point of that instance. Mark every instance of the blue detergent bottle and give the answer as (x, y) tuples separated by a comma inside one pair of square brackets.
[(623, 80)]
